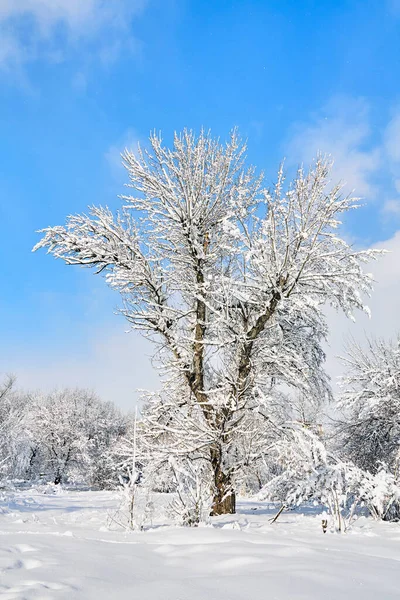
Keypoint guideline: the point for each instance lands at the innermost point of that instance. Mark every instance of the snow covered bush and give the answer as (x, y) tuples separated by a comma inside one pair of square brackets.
[(369, 433), (311, 474), (226, 277), (136, 478), (192, 500)]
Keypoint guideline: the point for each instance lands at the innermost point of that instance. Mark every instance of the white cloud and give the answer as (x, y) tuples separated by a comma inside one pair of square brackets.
[(392, 208), (367, 160), (371, 166), (342, 130), (48, 13), (384, 305), (392, 148), (81, 16), (32, 29), (392, 138)]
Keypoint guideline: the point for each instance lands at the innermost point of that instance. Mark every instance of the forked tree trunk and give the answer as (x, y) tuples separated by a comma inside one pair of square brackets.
[(224, 500)]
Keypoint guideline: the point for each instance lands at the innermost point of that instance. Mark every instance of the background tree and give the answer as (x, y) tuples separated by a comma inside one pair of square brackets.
[(14, 443), (72, 432), (225, 277)]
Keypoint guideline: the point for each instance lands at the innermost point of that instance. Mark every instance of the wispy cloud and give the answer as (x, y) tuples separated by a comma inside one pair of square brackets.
[(366, 159), (391, 208), (392, 148), (342, 129), (393, 7), (37, 29)]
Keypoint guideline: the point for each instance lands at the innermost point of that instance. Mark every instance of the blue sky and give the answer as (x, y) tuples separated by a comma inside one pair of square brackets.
[(82, 79)]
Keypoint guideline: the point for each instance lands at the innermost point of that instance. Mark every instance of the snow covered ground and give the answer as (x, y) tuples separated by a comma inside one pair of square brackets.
[(58, 546)]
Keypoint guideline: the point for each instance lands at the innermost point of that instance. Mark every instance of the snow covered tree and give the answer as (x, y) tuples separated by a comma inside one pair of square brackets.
[(227, 278), (370, 432)]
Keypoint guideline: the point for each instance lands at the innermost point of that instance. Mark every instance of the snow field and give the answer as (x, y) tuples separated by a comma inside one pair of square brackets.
[(59, 546)]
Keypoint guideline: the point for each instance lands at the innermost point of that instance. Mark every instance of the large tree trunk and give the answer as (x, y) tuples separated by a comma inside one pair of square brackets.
[(224, 500), (224, 503)]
